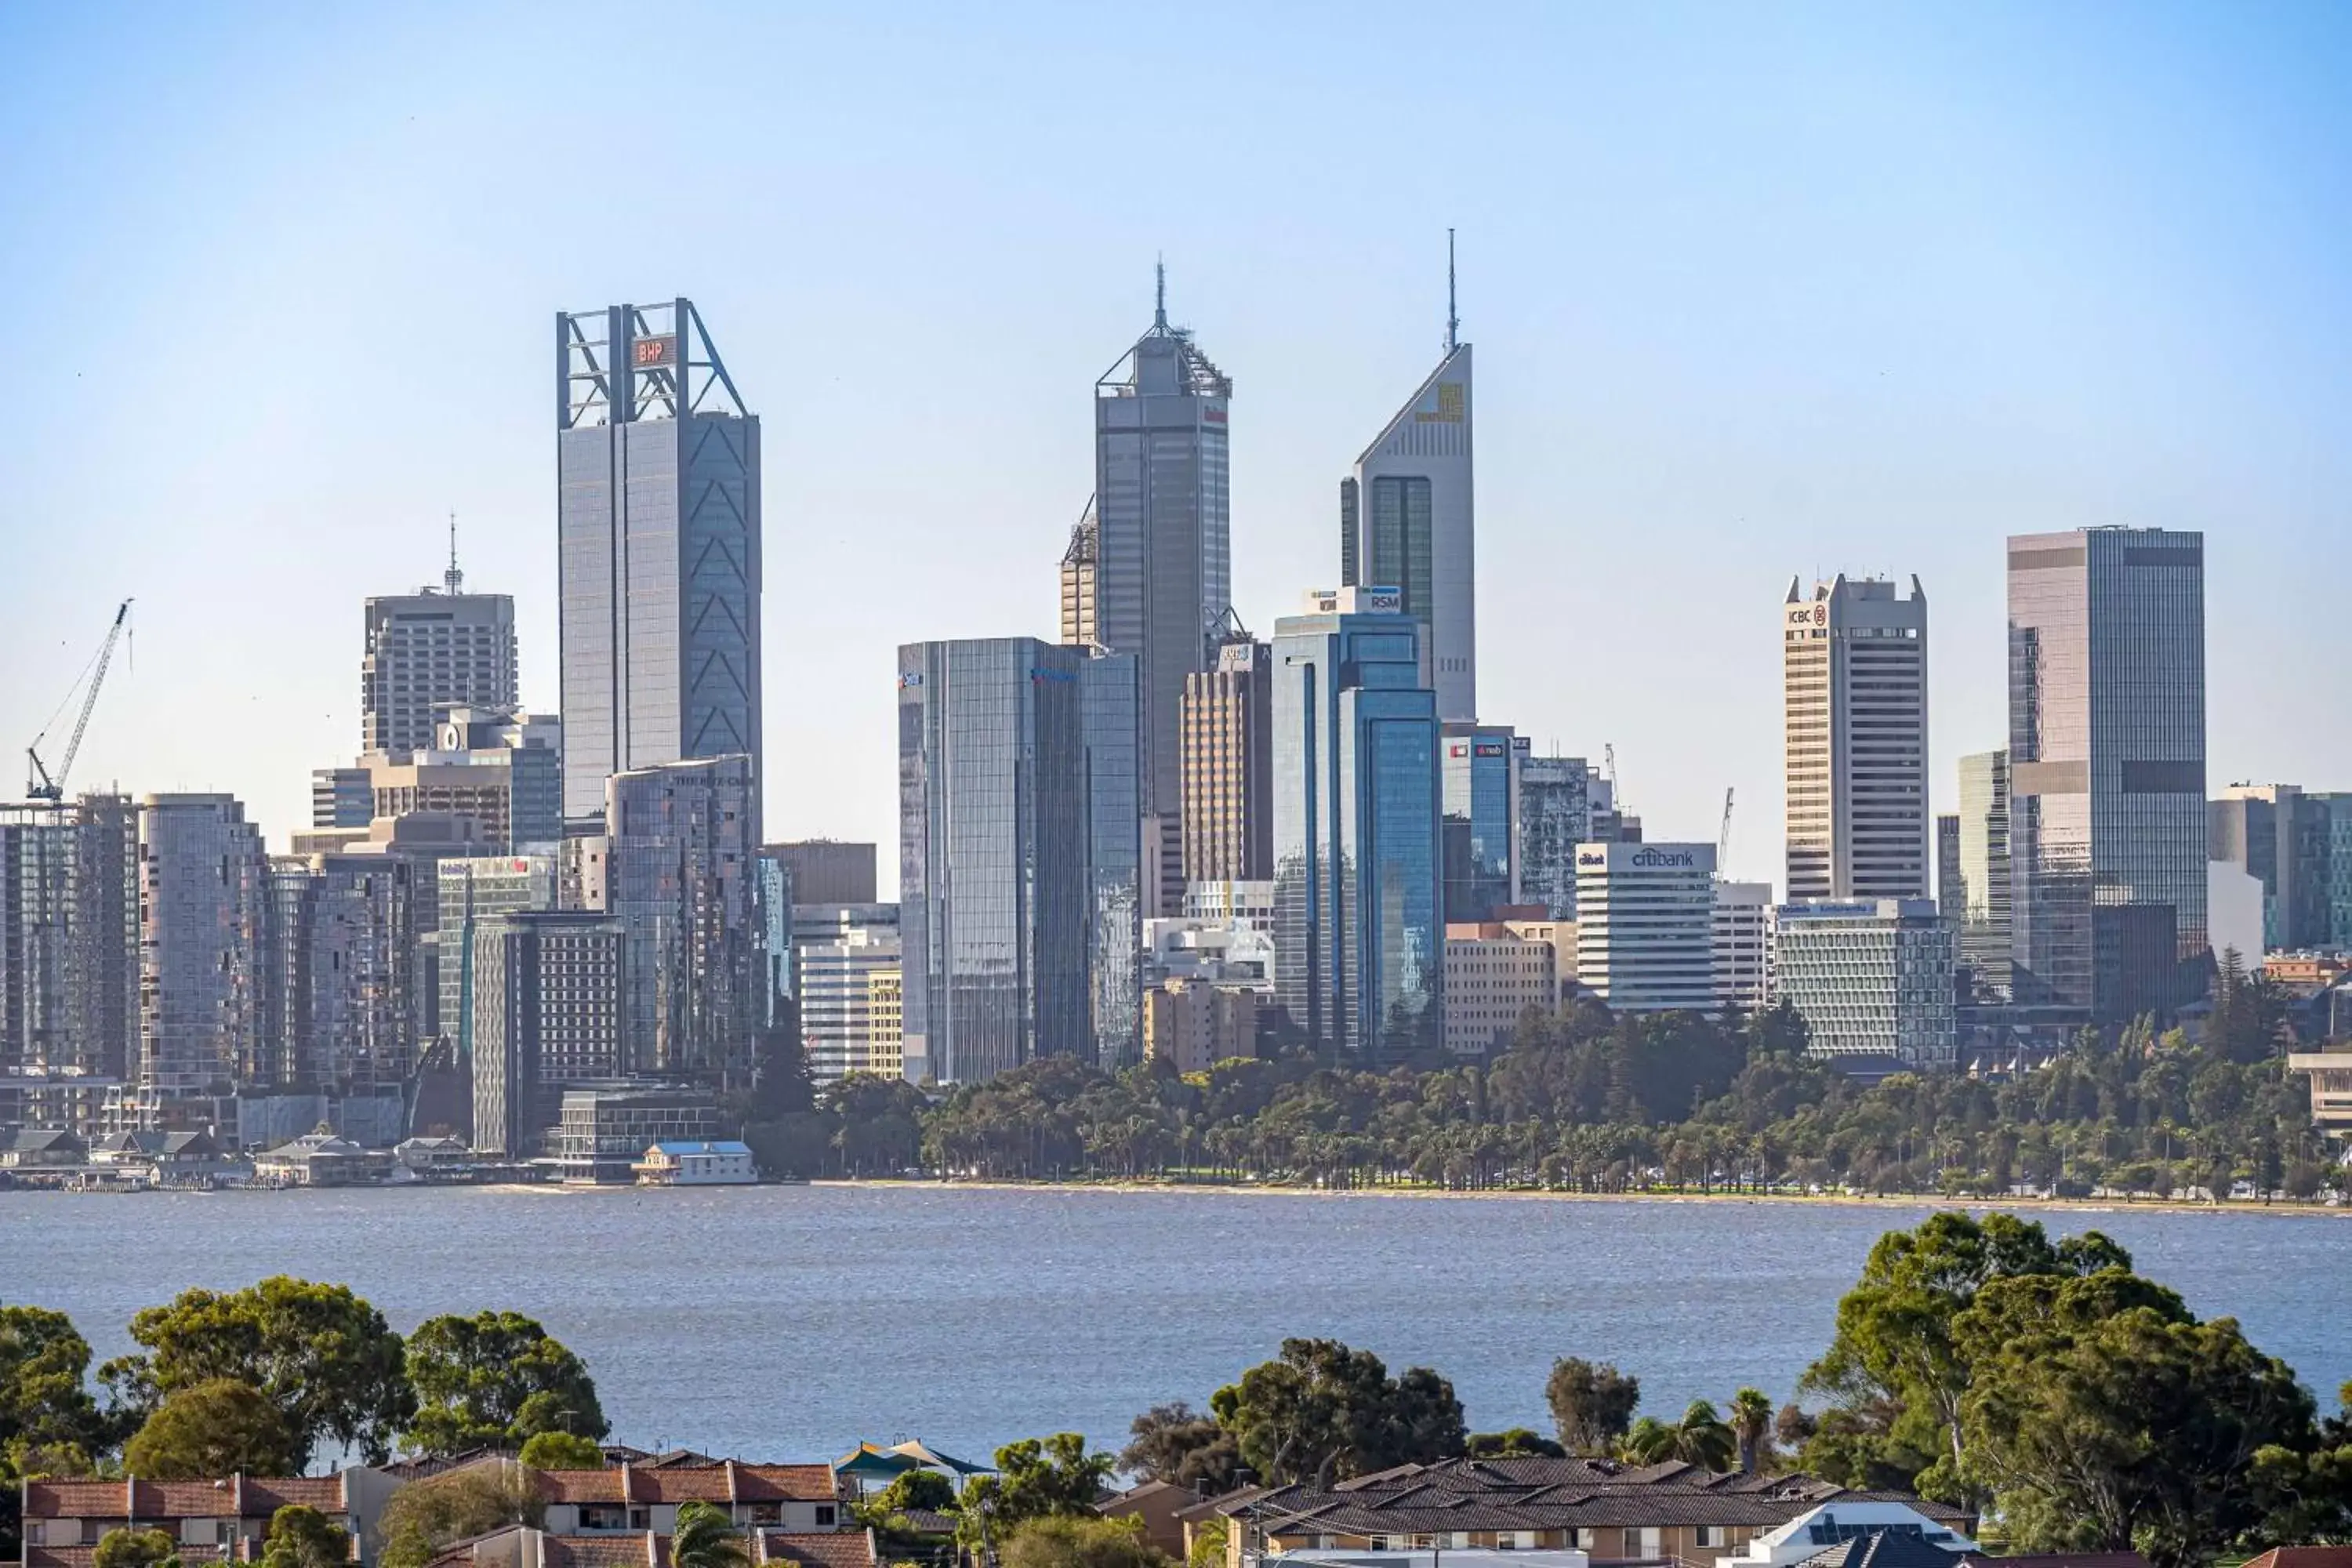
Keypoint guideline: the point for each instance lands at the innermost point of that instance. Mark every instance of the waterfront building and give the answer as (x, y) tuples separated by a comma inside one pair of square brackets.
[(1645, 925), (1360, 932), (1407, 517), (2329, 1074), (427, 650), (698, 1163), (1743, 969), (1855, 684), (1196, 1023), (1480, 826), (1163, 551), (469, 890), (676, 869), (1556, 797), (1226, 803), (1494, 976), (204, 892), (1982, 914), (1019, 877), (1081, 615), (838, 951), (2106, 776), (658, 519), (547, 1013), (603, 1130), (69, 946), (1872, 978)]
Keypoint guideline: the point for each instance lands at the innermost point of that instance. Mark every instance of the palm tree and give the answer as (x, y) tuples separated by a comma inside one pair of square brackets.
[(1699, 1438), (706, 1537), (1751, 1423)]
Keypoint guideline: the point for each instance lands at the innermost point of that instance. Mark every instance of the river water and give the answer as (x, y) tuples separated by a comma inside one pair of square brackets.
[(789, 1322)]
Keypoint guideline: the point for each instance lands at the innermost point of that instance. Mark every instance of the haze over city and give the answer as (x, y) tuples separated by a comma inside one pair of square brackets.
[(1756, 296)]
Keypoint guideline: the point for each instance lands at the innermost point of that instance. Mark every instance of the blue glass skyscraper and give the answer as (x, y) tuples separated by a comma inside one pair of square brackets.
[(1019, 843), (1359, 934), (1482, 820)]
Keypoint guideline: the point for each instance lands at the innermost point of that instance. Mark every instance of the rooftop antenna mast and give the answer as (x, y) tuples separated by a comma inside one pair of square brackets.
[(1159, 293), (1453, 316), (454, 578)]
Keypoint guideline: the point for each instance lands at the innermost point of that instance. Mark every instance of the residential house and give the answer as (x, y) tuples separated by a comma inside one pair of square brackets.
[(522, 1546), (1860, 1529), (1157, 1504), (209, 1521), (44, 1148), (698, 1163), (323, 1159), (797, 1499)]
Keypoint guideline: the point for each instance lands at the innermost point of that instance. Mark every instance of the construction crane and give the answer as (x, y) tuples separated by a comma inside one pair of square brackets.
[(1723, 839), (1609, 753), (39, 783)]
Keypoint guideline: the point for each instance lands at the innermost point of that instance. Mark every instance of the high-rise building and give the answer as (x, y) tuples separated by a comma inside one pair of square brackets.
[(828, 871), (1227, 803), (676, 871), (1743, 945), (342, 796), (512, 793), (658, 517), (69, 940), (1983, 914), (470, 889), (1645, 925), (2106, 775), (547, 1010), (837, 951), (1481, 826), (1080, 622), (427, 650), (1196, 1023), (2289, 840), (203, 914), (1360, 928), (1406, 517), (1872, 978), (1494, 976), (1555, 805), (1854, 683), (1163, 557), (1019, 855), (1951, 888), (339, 991)]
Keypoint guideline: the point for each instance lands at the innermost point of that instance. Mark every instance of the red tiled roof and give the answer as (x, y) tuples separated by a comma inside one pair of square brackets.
[(2304, 1557), (720, 1483), (840, 1549), (2055, 1560), (647, 1551), (232, 1497)]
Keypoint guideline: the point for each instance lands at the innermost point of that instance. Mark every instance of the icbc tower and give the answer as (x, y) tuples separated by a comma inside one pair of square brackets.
[(657, 466)]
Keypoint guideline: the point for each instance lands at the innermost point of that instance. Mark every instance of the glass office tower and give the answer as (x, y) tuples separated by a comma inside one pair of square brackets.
[(657, 517), (1982, 915), (1481, 828), (1359, 934), (2106, 786), (1019, 843)]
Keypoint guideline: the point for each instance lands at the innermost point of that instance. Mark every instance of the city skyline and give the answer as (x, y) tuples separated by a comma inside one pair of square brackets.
[(1893, 451)]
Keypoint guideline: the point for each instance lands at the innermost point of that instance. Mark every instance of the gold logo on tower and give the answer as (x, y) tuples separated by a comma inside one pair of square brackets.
[(1449, 407)]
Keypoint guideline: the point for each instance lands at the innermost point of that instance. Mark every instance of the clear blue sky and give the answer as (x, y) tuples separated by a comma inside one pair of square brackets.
[(1756, 290)]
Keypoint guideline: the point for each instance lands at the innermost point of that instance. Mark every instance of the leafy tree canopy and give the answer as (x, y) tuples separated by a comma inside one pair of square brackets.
[(1322, 1411), (1035, 1478), (560, 1451), (1592, 1406), (706, 1537), (1069, 1541), (302, 1537), (425, 1516), (217, 1427), (496, 1379), (1183, 1447), (134, 1548), (1512, 1443)]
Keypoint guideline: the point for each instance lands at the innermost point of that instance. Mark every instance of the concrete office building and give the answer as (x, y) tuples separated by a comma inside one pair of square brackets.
[(1081, 605), (1164, 554), (828, 871), (1226, 803), (1855, 684), (886, 1022), (1873, 979), (658, 517), (428, 650), (69, 946), (1982, 914), (1645, 925), (1556, 796), (1406, 521), (1479, 783), (1359, 930), (1196, 1023), (1743, 966), (342, 797), (1951, 888), (547, 1016), (838, 950), (1020, 875), (203, 897), (469, 890), (674, 866), (1494, 976), (1559, 936), (1248, 904), (2106, 775)]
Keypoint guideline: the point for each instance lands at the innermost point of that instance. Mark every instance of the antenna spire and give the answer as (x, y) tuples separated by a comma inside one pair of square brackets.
[(1453, 316), (1159, 293), (454, 578)]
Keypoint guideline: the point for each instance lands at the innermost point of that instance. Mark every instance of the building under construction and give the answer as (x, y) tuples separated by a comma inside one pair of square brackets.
[(68, 955)]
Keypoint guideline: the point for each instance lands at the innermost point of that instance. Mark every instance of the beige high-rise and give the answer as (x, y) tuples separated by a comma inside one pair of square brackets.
[(1226, 734), (1854, 683)]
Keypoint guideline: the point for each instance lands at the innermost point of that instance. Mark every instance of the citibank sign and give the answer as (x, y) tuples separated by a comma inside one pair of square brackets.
[(1659, 859)]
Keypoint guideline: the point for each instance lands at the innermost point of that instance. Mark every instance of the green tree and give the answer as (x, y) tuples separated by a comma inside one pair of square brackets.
[(560, 1451), (44, 1391), (1209, 1538), (1069, 1541), (922, 1491), (1699, 1438), (1035, 1478), (134, 1548), (218, 1427), (1322, 1411), (706, 1537), (323, 1356), (1512, 1443), (496, 1379), (1179, 1445), (1592, 1405), (1751, 1418), (302, 1537), (425, 1516)]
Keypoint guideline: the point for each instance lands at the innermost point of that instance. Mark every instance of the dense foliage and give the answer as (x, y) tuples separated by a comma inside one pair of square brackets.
[(1594, 1102), (496, 1379)]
